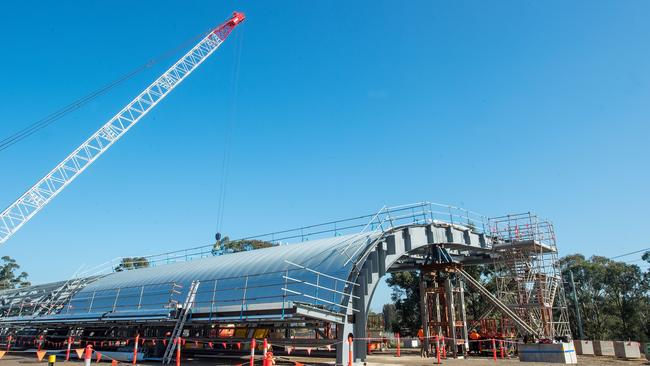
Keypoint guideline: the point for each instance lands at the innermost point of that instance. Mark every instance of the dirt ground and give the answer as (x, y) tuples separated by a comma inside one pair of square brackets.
[(373, 360)]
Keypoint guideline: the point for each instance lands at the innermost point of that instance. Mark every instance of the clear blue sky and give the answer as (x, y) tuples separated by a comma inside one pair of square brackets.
[(342, 107)]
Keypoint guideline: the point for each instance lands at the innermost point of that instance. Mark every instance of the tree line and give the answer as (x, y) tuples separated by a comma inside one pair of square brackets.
[(611, 297)]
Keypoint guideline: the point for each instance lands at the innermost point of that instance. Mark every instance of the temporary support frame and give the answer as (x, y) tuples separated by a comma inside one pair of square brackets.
[(443, 301)]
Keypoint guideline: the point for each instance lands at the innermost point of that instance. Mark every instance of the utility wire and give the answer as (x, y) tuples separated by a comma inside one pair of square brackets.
[(630, 253), (57, 115)]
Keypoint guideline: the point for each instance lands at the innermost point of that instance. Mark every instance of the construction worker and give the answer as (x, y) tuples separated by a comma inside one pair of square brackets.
[(474, 337), (269, 360), (423, 351)]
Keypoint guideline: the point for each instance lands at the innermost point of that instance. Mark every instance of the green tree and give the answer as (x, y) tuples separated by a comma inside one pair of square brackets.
[(406, 296), (627, 290), (592, 303), (390, 316), (129, 263), (613, 297), (8, 277), (225, 245), (475, 304)]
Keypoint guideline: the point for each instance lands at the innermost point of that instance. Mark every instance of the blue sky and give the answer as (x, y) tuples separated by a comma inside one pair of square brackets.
[(342, 107)]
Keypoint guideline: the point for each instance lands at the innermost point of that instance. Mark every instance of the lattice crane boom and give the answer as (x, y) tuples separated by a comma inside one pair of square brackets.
[(32, 201)]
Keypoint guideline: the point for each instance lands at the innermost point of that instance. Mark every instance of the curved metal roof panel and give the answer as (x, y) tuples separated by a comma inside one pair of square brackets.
[(239, 279)]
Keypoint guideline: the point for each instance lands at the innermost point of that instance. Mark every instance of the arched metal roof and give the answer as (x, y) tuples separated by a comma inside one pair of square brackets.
[(314, 278), (313, 272)]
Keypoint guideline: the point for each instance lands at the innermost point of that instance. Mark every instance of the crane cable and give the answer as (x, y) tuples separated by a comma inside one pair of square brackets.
[(62, 112), (232, 118)]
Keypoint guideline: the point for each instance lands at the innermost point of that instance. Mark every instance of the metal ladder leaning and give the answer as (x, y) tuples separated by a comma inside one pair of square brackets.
[(184, 311)]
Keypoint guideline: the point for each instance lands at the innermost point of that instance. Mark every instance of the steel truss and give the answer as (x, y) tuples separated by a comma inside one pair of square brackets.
[(32, 201), (527, 272)]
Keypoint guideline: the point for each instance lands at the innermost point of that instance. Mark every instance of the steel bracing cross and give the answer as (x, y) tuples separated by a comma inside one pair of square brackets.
[(32, 201)]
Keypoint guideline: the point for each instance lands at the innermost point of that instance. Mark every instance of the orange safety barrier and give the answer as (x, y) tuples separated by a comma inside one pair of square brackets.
[(67, 352), (264, 358), (350, 350), (444, 348), (179, 343), (135, 349), (501, 344), (252, 351), (88, 356), (398, 350), (40, 355)]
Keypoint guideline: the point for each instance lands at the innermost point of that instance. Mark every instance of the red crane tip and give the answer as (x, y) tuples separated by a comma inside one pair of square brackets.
[(237, 17)]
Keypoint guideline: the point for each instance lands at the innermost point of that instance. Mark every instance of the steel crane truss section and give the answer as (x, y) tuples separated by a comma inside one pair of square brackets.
[(32, 201)]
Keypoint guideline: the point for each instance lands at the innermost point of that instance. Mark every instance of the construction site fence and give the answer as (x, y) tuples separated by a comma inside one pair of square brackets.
[(439, 346)]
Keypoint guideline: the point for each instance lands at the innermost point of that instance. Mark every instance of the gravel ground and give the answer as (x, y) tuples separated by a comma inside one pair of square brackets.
[(373, 360)]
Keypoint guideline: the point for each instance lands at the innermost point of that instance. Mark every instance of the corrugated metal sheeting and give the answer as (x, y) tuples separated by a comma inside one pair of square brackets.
[(238, 279)]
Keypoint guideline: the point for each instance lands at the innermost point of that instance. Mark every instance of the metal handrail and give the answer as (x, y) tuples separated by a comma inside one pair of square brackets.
[(421, 212)]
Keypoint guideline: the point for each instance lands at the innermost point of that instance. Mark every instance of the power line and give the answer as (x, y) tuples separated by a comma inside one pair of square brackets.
[(630, 253), (36, 126), (55, 116)]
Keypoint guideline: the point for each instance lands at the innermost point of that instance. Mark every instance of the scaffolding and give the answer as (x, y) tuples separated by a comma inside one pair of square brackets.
[(527, 273), (314, 293), (444, 313)]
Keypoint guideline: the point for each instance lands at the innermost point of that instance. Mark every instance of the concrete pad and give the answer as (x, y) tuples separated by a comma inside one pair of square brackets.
[(604, 348), (627, 349), (584, 347), (549, 353)]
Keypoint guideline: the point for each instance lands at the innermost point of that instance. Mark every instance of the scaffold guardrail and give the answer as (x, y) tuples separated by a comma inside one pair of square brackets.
[(384, 219)]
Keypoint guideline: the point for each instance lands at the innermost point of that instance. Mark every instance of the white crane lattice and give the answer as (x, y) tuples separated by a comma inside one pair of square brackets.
[(32, 201)]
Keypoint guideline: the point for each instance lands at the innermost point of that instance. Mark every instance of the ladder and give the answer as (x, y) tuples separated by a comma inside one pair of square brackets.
[(182, 315)]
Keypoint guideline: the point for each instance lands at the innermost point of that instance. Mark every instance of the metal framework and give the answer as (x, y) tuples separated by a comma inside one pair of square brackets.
[(32, 201), (528, 276), (310, 294), (443, 301)]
